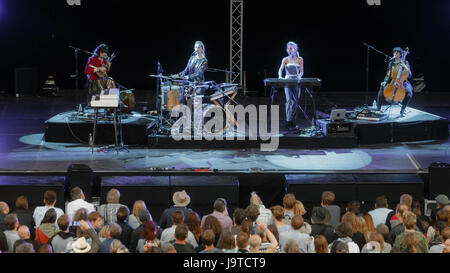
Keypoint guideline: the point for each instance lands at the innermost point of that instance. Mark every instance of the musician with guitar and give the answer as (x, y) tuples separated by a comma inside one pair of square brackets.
[(97, 70), (396, 87), (293, 66)]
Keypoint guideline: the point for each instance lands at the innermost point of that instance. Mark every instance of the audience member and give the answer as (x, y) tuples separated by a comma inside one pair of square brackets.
[(441, 216), (221, 213), (24, 215), (398, 228), (49, 202), (133, 219), (208, 238), (113, 233), (319, 219), (291, 246), (289, 201), (229, 243), (265, 215), (80, 214), (255, 241), (304, 241), (437, 238), (46, 248), (109, 210), (392, 221), (127, 230), (355, 207), (47, 228), (4, 210), (118, 247), (25, 248), (149, 235), (320, 244), (369, 222), (357, 237), (96, 219), (192, 221), (328, 198), (144, 216), (181, 202), (235, 228), (25, 237), (78, 202), (409, 221), (60, 240), (376, 244), (180, 245), (167, 235), (345, 234), (384, 230), (242, 242), (82, 245), (278, 216), (342, 247), (444, 236), (381, 211)]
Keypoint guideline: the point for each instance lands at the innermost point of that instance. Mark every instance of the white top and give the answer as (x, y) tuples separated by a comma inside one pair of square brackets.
[(75, 205), (39, 213), (379, 215), (265, 215)]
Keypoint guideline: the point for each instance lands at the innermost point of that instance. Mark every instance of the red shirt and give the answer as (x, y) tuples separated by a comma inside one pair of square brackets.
[(95, 62)]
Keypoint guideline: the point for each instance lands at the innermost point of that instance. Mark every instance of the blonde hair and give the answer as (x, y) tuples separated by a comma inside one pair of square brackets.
[(369, 222), (138, 206), (295, 45), (376, 237), (104, 232), (299, 209), (361, 226), (350, 217)]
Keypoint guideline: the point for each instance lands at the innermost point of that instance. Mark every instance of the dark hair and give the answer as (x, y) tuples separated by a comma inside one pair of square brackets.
[(192, 221), (252, 212), (150, 230), (242, 240), (382, 202), (212, 223), (344, 229), (93, 216), (49, 197), (80, 214), (354, 206), (75, 193), (273, 228), (181, 232), (289, 201), (398, 49), (10, 221), (22, 202), (49, 216), (228, 241), (297, 222), (208, 237), (122, 213), (177, 217), (238, 216), (277, 212), (103, 48), (115, 230)]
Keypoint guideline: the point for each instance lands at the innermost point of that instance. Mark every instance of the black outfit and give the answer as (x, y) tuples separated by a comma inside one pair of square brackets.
[(125, 235), (392, 213), (2, 222), (327, 231), (187, 248), (25, 217), (36, 244), (166, 218), (135, 236), (408, 87), (359, 239), (3, 242)]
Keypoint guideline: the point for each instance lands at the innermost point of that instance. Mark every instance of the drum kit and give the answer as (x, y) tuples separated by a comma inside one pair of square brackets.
[(174, 92)]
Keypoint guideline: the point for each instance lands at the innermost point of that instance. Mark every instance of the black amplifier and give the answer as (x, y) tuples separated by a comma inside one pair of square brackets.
[(341, 128)]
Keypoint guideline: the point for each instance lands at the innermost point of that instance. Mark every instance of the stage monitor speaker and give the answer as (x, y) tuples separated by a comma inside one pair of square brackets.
[(25, 81), (79, 175), (439, 182)]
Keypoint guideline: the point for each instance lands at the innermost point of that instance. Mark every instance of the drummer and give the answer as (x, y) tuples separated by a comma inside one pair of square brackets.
[(196, 65)]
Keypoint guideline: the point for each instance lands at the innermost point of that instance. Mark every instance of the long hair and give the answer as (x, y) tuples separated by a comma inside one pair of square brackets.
[(295, 45), (100, 49), (202, 45)]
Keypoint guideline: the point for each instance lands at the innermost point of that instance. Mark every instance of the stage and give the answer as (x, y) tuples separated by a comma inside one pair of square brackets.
[(29, 164)]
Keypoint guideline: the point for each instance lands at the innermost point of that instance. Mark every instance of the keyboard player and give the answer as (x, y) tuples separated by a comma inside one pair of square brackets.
[(292, 65)]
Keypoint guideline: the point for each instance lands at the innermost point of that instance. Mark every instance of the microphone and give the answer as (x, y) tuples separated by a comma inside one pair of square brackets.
[(194, 53)]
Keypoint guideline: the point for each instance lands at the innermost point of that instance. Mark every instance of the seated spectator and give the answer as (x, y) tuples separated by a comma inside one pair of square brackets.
[(78, 202), (180, 245), (213, 224), (399, 228), (289, 201), (238, 218), (251, 214), (357, 237), (25, 237), (109, 210), (208, 238), (409, 221), (291, 246), (4, 210), (220, 212), (319, 220), (47, 228), (437, 239), (278, 217), (80, 214), (229, 243), (118, 247), (45, 249), (180, 200), (255, 241), (192, 221), (112, 234), (49, 202), (345, 234), (60, 240), (384, 230), (25, 248), (444, 235), (144, 216), (127, 230), (148, 236), (24, 215), (167, 235), (392, 221), (381, 211), (376, 243), (327, 202), (11, 225), (342, 247), (82, 245), (133, 219), (304, 241), (242, 242), (96, 219), (320, 244), (265, 215), (299, 209)]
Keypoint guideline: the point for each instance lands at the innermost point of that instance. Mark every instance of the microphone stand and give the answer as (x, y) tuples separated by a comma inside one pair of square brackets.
[(367, 68), (221, 70)]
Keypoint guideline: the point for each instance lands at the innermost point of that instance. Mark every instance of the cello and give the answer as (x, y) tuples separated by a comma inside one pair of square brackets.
[(395, 91)]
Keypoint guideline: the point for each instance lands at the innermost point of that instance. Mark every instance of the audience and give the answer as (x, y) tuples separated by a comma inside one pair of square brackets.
[(144, 216), (25, 237), (24, 215), (180, 245), (304, 241), (345, 234), (265, 215), (127, 230), (60, 240), (78, 202), (47, 228), (381, 211), (208, 238), (113, 233), (418, 242), (148, 236), (11, 234), (220, 212), (180, 200), (167, 236), (109, 210), (133, 219), (4, 210), (49, 202), (319, 219), (328, 198)]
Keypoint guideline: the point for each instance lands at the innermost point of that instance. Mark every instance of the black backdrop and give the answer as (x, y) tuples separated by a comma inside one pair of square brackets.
[(330, 35)]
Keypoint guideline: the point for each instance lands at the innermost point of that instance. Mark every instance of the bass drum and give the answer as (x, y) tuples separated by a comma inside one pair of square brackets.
[(128, 100)]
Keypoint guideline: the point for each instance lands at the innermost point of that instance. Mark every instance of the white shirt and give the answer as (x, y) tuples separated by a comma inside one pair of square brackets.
[(39, 213), (75, 205), (379, 215), (265, 215)]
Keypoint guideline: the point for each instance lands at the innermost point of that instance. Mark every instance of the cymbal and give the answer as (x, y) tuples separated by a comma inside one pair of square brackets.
[(160, 76)]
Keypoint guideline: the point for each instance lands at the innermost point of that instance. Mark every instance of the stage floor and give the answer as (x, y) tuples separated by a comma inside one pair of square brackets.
[(22, 150)]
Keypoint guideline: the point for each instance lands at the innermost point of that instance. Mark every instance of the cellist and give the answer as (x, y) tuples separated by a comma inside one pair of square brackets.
[(395, 65)]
